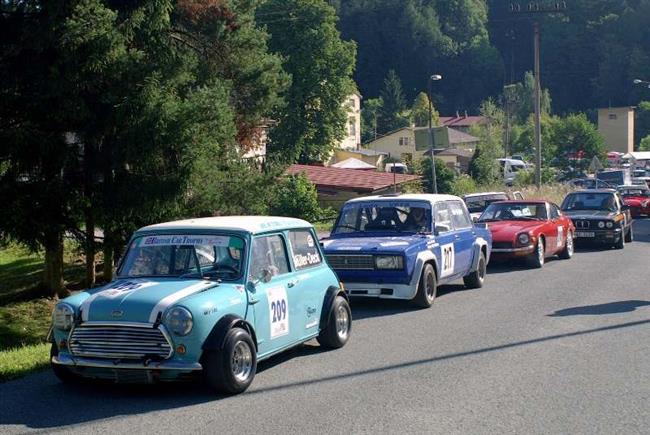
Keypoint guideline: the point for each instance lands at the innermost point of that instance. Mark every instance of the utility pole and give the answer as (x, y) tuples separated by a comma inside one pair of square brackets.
[(534, 8), (434, 182)]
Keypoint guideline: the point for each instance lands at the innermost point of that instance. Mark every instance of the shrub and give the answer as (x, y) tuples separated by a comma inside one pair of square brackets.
[(295, 196), (463, 185)]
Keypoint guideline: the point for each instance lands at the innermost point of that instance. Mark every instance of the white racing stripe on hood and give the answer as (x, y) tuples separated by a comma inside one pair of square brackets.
[(115, 289), (175, 297)]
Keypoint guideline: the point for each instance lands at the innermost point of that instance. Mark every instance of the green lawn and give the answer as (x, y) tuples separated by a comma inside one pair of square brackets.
[(18, 362)]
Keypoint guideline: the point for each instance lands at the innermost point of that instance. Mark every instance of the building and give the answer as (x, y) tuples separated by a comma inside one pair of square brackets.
[(336, 185), (353, 127), (407, 144), (372, 157), (616, 125), (462, 123), (455, 158)]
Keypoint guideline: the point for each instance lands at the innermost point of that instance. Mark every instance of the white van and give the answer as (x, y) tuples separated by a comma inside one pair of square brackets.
[(510, 167), (396, 168)]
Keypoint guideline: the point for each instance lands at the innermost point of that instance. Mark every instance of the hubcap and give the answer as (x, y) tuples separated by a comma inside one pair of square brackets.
[(242, 361), (342, 322), (431, 288)]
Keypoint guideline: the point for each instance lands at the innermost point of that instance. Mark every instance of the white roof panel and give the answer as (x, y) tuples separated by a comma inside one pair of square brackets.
[(249, 224), (407, 197)]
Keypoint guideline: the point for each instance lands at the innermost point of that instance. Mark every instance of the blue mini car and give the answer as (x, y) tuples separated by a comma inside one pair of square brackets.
[(403, 246), (211, 296)]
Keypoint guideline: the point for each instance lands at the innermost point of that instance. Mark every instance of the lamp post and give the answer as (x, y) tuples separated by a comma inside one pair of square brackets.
[(641, 82), (432, 78)]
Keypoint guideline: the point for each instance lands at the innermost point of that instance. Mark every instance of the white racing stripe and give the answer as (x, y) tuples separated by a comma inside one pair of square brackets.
[(112, 290), (175, 297)]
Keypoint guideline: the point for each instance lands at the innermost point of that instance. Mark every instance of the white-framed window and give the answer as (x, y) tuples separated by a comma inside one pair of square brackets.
[(404, 141)]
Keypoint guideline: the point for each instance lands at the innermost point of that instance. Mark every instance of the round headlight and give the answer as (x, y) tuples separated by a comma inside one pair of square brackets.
[(610, 224), (601, 224), (179, 321), (523, 238), (63, 317)]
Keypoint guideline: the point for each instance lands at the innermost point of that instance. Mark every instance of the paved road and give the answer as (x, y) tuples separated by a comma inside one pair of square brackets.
[(565, 349)]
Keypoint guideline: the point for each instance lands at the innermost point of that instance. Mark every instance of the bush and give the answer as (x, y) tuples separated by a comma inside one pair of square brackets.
[(527, 177), (463, 185), (295, 196), (444, 176)]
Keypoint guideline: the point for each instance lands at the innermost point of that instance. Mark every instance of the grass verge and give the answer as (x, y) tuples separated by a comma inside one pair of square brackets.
[(18, 362)]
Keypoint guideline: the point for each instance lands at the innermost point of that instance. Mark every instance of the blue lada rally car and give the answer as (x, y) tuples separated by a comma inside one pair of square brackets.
[(403, 246), (211, 296)]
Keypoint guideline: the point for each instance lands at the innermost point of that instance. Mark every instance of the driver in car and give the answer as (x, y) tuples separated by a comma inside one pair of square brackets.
[(416, 220)]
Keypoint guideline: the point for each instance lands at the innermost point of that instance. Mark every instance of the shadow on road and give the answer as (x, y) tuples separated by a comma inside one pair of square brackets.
[(515, 265), (608, 308), (40, 401)]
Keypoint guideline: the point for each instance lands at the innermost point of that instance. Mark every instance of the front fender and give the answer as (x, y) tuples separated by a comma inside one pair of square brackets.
[(217, 337), (331, 294), (479, 243)]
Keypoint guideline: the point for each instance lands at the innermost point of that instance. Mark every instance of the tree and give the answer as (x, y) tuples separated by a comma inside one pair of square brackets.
[(484, 167), (391, 115), (420, 112), (521, 97), (369, 113), (321, 65), (296, 196), (444, 176), (575, 135), (644, 145), (642, 122)]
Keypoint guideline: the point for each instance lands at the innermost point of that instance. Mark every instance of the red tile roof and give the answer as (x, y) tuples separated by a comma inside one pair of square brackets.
[(349, 179), (461, 121)]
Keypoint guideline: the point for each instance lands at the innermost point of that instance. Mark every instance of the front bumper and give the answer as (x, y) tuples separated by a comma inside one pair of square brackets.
[(77, 362), (598, 236), (521, 250), (382, 291)]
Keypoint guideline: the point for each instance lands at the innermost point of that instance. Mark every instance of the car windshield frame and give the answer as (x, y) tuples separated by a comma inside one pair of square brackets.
[(400, 207), (565, 205), (514, 217), (235, 242)]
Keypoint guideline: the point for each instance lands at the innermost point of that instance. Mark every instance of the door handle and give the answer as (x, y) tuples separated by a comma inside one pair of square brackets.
[(456, 236), (253, 301), (292, 283)]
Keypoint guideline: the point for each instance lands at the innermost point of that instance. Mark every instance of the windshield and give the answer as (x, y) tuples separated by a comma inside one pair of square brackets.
[(391, 216), (184, 255), (479, 203), (589, 201), (513, 211)]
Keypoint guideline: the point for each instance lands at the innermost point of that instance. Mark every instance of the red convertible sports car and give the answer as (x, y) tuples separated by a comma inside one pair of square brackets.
[(532, 230), (637, 198)]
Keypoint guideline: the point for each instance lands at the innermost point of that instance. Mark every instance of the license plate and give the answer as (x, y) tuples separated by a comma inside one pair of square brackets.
[(585, 234)]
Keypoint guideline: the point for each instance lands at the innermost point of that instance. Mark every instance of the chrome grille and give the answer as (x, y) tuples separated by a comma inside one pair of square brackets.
[(351, 262), (118, 340)]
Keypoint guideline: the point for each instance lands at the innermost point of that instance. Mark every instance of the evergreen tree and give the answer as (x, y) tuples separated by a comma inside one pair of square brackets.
[(420, 112), (391, 115)]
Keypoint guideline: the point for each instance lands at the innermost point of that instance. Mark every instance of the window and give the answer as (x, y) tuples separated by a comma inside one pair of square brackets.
[(304, 249), (269, 254), (352, 103), (442, 218), (385, 216), (612, 116), (352, 127), (404, 141), (555, 213), (459, 216)]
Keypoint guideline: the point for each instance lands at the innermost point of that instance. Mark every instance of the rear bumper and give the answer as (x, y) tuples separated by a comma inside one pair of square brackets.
[(74, 362)]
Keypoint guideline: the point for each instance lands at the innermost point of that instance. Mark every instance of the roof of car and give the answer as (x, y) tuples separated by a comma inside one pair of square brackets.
[(406, 196), (249, 224), (594, 191), (474, 195), (522, 201), (633, 186)]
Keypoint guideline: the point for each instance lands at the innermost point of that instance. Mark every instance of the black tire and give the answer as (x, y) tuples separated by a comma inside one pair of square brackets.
[(477, 278), (232, 369), (620, 244), (64, 374), (427, 288), (629, 236), (567, 252), (339, 325), (536, 259)]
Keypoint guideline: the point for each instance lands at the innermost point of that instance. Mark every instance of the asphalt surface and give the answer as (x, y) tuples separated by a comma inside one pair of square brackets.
[(564, 349)]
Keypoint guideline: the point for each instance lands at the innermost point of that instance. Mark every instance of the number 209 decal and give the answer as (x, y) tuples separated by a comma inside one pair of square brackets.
[(278, 311)]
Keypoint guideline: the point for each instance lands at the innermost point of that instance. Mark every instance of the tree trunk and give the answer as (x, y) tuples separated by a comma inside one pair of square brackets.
[(53, 284), (108, 257), (90, 249)]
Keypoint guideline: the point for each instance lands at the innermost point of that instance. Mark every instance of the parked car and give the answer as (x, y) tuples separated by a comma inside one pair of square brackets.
[(478, 202), (404, 246), (637, 198), (616, 177), (590, 183), (600, 216), (532, 230), (396, 168), (209, 296), (509, 169)]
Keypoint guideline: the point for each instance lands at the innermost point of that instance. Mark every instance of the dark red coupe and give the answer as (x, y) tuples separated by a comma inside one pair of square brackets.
[(637, 198), (532, 230)]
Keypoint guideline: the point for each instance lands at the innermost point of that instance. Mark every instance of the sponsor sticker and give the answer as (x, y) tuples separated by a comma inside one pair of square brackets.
[(447, 252), (188, 239), (278, 311), (308, 259)]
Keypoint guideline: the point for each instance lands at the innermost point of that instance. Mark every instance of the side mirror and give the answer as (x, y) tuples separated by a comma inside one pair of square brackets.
[(475, 219), (441, 229)]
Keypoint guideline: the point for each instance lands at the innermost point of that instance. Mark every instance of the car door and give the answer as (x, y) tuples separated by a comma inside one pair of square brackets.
[(308, 279), (561, 225), (445, 237), (272, 293), (463, 237)]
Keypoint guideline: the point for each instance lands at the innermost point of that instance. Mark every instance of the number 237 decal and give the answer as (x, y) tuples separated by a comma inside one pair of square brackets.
[(278, 311), (447, 260)]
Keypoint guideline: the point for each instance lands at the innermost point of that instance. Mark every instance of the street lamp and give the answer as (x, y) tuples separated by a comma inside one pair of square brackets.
[(641, 82), (432, 78)]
